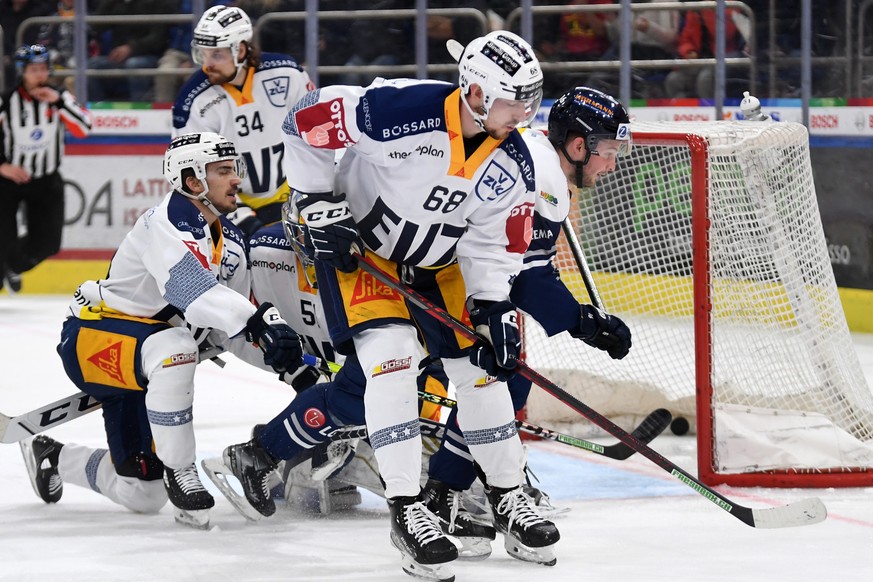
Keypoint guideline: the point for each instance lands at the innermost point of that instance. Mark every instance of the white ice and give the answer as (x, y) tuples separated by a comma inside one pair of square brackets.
[(629, 521)]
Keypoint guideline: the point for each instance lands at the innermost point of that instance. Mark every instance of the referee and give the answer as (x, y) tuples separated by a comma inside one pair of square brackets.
[(33, 117)]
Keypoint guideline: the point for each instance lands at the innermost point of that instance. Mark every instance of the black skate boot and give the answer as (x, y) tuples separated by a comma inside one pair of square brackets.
[(41, 455), (190, 499), (526, 535), (253, 466), (424, 548), (475, 535)]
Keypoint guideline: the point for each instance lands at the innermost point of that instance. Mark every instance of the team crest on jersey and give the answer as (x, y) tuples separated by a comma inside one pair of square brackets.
[(495, 181), (277, 90)]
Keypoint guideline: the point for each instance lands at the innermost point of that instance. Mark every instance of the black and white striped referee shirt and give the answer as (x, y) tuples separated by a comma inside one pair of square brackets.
[(32, 133)]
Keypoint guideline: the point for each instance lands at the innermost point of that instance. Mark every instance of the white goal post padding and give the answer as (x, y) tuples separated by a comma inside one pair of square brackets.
[(707, 241)]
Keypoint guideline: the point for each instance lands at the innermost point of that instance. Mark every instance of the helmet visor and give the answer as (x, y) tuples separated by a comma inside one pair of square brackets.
[(522, 111), (203, 56)]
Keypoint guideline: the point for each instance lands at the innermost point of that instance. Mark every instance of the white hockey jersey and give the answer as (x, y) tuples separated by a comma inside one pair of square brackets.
[(172, 263), (278, 278), (416, 195), (250, 117), (552, 199)]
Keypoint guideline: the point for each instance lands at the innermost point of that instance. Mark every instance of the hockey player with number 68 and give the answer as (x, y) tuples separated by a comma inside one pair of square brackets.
[(437, 187)]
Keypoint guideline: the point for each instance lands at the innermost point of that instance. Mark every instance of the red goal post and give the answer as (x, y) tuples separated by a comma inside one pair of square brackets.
[(708, 242)]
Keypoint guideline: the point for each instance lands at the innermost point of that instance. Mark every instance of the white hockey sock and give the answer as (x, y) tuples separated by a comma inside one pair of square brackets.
[(170, 395), (487, 419), (93, 468), (389, 357)]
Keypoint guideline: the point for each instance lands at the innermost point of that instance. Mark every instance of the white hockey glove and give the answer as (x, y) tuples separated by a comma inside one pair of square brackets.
[(331, 233), (603, 331), (499, 323)]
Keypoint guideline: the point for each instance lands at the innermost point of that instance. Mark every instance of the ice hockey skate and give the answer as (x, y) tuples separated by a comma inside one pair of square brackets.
[(474, 534), (253, 467), (41, 455), (526, 535), (191, 501), (425, 550)]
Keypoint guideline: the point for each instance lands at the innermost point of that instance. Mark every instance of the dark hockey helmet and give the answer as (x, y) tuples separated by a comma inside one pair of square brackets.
[(591, 113), (28, 54)]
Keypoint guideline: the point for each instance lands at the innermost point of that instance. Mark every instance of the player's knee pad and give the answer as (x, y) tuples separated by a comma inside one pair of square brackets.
[(389, 358), (169, 359), (303, 425), (140, 496)]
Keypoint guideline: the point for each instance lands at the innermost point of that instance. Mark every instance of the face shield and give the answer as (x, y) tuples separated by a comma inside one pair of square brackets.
[(217, 57), (295, 232), (609, 146), (523, 108)]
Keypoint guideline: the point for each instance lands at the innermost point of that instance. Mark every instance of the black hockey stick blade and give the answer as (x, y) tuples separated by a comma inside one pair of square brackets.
[(653, 425), (805, 512)]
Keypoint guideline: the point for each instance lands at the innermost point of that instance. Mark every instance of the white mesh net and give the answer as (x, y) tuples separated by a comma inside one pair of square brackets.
[(777, 337)]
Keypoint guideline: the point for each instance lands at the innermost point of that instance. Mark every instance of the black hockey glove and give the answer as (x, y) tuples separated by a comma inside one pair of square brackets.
[(497, 321), (283, 350), (603, 331), (303, 378), (331, 233)]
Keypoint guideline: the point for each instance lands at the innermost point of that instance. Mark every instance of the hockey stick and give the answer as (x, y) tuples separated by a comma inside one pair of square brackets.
[(653, 425), (804, 512), (581, 263), (17, 428)]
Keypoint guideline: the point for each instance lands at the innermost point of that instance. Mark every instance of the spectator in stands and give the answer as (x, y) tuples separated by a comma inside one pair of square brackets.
[(441, 28), (12, 14), (177, 55), (697, 41), (581, 36), (381, 42), (137, 46)]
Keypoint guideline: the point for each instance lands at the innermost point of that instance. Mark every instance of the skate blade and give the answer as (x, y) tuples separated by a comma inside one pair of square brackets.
[(197, 518), (29, 463), (472, 548), (545, 555), (430, 572), (217, 472)]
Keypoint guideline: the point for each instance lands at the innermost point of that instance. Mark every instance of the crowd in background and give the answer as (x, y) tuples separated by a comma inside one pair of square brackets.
[(573, 37)]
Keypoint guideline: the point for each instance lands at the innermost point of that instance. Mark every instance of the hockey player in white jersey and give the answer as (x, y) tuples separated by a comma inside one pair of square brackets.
[(244, 95), (179, 277), (437, 187), (587, 132)]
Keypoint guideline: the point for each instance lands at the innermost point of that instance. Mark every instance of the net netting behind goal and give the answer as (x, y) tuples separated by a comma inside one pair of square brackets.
[(708, 242)]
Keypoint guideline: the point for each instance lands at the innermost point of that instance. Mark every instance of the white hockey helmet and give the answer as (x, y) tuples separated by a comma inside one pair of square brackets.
[(221, 27), (504, 65), (195, 151)]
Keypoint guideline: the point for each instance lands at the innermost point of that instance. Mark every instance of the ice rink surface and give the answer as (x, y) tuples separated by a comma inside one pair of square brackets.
[(629, 521)]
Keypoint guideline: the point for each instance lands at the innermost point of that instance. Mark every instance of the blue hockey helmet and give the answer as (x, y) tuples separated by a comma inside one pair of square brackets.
[(28, 54), (591, 113)]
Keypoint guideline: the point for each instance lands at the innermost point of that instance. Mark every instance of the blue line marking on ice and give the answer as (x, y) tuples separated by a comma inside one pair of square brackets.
[(565, 477)]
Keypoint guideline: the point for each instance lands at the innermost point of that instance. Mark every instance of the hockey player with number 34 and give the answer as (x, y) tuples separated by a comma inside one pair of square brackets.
[(436, 187)]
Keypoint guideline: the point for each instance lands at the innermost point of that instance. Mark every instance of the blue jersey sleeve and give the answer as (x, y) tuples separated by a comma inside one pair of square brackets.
[(540, 292)]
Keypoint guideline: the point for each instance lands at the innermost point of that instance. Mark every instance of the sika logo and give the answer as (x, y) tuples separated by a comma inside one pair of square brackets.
[(195, 250), (369, 288), (109, 362), (392, 366), (314, 418)]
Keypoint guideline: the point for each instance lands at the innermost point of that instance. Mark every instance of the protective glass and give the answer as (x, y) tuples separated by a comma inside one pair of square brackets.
[(239, 167), (610, 148)]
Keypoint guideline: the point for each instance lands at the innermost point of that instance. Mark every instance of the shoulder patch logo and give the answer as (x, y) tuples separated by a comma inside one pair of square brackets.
[(495, 181), (277, 90)]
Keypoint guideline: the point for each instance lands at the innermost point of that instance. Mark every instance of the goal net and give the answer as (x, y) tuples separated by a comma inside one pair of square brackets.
[(707, 242)]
